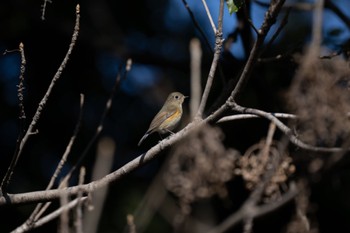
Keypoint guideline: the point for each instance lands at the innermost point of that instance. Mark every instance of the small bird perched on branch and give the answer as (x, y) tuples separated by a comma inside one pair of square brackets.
[(168, 117)]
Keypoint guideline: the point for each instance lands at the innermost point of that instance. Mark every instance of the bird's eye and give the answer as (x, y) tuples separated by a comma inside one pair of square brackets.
[(176, 97)]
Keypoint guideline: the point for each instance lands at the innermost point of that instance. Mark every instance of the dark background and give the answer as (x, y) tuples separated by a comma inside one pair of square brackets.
[(155, 35)]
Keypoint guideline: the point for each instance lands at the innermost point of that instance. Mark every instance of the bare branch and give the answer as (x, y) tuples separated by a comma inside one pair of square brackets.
[(279, 29), (218, 47), (51, 216), (209, 16), (196, 24), (43, 8), (249, 116), (330, 5), (270, 18), (285, 129), (22, 117), (40, 208), (99, 128), (44, 100)]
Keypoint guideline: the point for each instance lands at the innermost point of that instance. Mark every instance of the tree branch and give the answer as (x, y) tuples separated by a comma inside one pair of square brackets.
[(22, 117), (44, 100), (269, 20), (217, 51), (285, 129)]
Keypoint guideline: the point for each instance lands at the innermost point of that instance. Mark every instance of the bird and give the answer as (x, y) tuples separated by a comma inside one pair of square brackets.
[(168, 117)]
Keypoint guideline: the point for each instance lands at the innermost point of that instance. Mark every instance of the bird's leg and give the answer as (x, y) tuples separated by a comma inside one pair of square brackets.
[(171, 132), (161, 138)]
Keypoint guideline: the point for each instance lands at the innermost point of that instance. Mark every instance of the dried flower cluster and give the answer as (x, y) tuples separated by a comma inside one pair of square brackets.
[(320, 96), (255, 163), (200, 166)]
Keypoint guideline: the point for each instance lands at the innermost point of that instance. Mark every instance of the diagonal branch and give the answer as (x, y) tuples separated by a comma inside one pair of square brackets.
[(270, 19), (99, 128), (51, 216), (196, 24), (209, 16), (217, 51), (22, 117), (44, 100), (40, 208)]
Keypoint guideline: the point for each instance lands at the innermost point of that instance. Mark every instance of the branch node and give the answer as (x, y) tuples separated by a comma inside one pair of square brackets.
[(77, 9)]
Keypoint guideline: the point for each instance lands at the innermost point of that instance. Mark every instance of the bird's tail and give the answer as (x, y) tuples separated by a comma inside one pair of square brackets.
[(143, 138)]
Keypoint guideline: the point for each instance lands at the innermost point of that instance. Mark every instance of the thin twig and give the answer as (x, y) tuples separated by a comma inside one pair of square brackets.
[(330, 5), (63, 160), (41, 208), (249, 116), (330, 56), (43, 9), (253, 26), (20, 86), (102, 119), (301, 6), (196, 24), (285, 129), (22, 117), (217, 51), (44, 100), (209, 16), (269, 20), (51, 216), (279, 29)]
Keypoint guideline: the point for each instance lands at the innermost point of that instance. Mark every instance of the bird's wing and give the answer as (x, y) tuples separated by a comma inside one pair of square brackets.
[(161, 117)]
